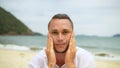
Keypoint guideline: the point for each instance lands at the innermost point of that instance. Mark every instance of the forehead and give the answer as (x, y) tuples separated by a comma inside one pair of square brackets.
[(60, 24)]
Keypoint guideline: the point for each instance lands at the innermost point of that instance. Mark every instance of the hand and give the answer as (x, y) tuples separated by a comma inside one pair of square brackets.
[(70, 54), (50, 53)]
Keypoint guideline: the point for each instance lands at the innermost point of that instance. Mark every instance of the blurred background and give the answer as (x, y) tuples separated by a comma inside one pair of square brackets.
[(23, 24), (96, 22)]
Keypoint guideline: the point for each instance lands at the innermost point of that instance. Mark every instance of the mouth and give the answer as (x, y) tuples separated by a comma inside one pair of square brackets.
[(60, 48), (61, 44)]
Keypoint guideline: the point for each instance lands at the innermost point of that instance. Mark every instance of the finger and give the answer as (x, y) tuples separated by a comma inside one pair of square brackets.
[(74, 42), (70, 43), (51, 41), (47, 42)]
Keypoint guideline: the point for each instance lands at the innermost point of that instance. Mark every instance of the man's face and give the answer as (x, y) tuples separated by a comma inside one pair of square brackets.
[(60, 30)]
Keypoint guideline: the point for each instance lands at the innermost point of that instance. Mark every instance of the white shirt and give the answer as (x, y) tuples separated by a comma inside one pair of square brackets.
[(83, 59)]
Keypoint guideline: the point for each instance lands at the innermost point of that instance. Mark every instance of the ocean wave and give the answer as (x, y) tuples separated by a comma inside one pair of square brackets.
[(18, 47), (107, 56)]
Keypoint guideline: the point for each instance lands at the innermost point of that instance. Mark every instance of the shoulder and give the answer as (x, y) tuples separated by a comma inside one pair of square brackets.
[(84, 55), (40, 55), (38, 59), (82, 52), (84, 58)]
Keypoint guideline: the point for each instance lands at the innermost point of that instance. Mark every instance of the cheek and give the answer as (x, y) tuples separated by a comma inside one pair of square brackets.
[(54, 38), (68, 39)]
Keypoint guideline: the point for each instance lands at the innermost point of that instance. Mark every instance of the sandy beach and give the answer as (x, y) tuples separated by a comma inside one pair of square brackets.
[(14, 58), (20, 59)]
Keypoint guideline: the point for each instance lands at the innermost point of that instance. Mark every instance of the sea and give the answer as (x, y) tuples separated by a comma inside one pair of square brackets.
[(94, 44), (91, 43)]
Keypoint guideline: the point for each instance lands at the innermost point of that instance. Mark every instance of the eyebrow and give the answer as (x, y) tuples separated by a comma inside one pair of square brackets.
[(62, 30), (54, 30), (66, 30)]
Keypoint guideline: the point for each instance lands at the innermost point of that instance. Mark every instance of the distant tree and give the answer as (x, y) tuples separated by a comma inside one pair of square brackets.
[(116, 35), (10, 25)]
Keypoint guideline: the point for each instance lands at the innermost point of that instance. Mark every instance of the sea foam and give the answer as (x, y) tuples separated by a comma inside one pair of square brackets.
[(13, 47), (107, 56)]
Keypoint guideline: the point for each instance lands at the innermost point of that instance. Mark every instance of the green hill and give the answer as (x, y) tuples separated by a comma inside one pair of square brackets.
[(10, 25)]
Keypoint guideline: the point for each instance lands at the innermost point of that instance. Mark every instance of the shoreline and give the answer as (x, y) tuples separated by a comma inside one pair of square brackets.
[(15, 58), (97, 55), (19, 58)]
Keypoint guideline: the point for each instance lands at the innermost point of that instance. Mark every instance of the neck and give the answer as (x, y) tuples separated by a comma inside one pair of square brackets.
[(60, 59)]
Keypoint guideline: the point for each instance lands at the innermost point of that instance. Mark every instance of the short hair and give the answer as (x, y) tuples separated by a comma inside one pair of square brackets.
[(61, 16)]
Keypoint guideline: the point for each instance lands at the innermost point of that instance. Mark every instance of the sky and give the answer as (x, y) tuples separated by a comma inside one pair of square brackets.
[(90, 17)]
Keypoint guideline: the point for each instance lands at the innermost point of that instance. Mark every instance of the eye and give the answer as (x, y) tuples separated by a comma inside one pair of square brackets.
[(55, 33), (65, 32)]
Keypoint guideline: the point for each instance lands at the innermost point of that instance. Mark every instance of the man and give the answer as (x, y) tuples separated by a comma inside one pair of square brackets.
[(61, 50)]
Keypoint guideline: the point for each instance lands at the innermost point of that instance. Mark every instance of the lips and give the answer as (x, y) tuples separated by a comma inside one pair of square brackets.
[(61, 44)]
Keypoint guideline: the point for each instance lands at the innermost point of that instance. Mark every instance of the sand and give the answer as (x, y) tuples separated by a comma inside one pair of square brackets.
[(20, 59), (14, 58), (107, 64)]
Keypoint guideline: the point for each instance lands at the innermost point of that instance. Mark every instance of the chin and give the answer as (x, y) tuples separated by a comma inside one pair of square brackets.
[(61, 51)]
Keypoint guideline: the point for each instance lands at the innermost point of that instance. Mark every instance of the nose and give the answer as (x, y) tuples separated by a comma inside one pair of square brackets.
[(60, 37)]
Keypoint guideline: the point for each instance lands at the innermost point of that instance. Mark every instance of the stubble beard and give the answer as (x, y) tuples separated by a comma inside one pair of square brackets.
[(62, 51)]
